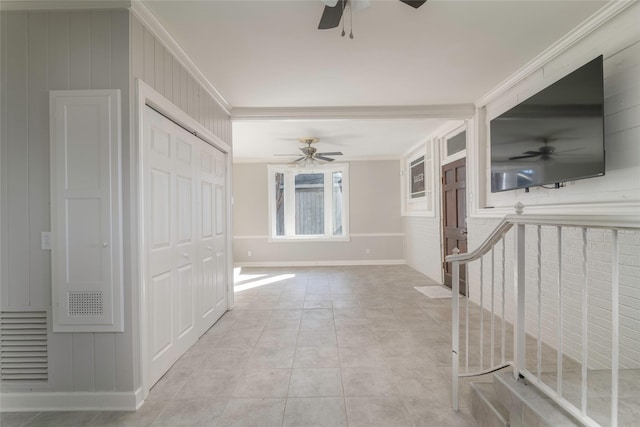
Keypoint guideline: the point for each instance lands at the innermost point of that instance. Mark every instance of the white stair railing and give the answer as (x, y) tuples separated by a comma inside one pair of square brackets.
[(510, 310)]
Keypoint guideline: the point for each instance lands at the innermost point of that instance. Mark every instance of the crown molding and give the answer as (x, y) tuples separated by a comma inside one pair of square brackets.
[(27, 5), (606, 13), (148, 19), (448, 111)]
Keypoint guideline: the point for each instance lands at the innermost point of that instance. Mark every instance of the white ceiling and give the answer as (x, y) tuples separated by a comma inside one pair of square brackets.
[(266, 54)]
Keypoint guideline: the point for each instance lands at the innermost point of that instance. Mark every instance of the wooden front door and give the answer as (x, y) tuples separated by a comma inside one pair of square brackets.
[(454, 216)]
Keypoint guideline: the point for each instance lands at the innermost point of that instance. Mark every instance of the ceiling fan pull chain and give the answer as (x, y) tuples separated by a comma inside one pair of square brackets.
[(344, 5), (351, 21)]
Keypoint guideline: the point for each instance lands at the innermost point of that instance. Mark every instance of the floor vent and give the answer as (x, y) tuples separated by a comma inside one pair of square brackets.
[(23, 338)]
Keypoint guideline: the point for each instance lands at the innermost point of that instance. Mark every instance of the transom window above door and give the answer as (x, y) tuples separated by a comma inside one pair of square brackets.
[(309, 203)]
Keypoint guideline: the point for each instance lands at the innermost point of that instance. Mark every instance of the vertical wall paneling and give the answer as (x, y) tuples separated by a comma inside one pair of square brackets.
[(80, 50), (208, 109), (105, 362), (60, 350), (216, 123), (158, 58), (176, 83), (190, 96), (18, 168), (42, 52), (168, 77), (182, 101), (100, 50), (61, 361), (83, 362), (58, 51), (148, 54), (124, 342), (38, 114), (203, 107), (4, 229), (137, 39)]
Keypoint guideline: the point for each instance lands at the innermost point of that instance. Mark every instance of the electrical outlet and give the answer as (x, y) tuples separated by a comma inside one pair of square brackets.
[(248, 253), (367, 251)]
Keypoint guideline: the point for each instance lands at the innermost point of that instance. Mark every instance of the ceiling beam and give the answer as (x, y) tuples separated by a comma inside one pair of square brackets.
[(447, 111)]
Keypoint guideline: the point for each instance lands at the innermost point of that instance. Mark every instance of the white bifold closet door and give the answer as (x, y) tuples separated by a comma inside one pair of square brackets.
[(185, 242)]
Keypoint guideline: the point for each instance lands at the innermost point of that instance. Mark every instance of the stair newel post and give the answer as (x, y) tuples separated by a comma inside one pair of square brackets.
[(519, 292), (455, 335)]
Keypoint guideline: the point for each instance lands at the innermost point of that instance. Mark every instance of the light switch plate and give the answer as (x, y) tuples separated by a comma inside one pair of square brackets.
[(45, 240)]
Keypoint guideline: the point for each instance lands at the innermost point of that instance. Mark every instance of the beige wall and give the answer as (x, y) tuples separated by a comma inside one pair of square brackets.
[(374, 218)]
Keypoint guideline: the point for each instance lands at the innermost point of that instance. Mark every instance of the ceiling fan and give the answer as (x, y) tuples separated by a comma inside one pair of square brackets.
[(334, 9), (546, 152), (311, 153)]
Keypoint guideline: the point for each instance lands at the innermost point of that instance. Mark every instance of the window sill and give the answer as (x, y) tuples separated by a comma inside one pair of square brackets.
[(306, 239)]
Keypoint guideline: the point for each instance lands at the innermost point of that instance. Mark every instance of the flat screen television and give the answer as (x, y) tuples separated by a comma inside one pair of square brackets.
[(555, 136)]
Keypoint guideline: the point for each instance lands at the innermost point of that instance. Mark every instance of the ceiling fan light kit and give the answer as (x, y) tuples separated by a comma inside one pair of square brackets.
[(311, 157), (334, 11)]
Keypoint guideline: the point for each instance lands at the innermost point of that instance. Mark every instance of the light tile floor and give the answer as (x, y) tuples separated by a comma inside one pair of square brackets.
[(346, 346)]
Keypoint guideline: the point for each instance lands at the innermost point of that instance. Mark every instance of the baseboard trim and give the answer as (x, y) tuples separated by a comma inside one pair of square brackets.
[(71, 401), (336, 263)]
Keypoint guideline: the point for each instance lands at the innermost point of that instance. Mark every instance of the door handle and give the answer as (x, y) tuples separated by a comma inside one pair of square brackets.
[(464, 232)]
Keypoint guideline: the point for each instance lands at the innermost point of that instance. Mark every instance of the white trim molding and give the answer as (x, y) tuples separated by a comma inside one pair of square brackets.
[(612, 209), (356, 235), (450, 111), (335, 263), (72, 401), (376, 235)]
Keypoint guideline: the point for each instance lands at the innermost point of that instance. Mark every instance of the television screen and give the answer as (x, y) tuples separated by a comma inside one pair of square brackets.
[(556, 135)]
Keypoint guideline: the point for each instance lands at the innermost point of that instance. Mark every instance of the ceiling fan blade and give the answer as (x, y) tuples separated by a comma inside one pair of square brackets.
[(326, 159), (414, 3), (333, 153), (298, 159), (331, 16), (287, 155), (525, 157), (555, 153)]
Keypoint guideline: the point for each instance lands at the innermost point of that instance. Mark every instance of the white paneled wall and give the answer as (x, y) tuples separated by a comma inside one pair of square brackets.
[(44, 51), (422, 245), (154, 63), (40, 52)]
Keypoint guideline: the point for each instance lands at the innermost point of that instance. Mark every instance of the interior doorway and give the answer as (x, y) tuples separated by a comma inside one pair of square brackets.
[(454, 217)]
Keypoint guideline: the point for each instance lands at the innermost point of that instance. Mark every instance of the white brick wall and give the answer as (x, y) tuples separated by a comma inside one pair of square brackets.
[(599, 252)]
